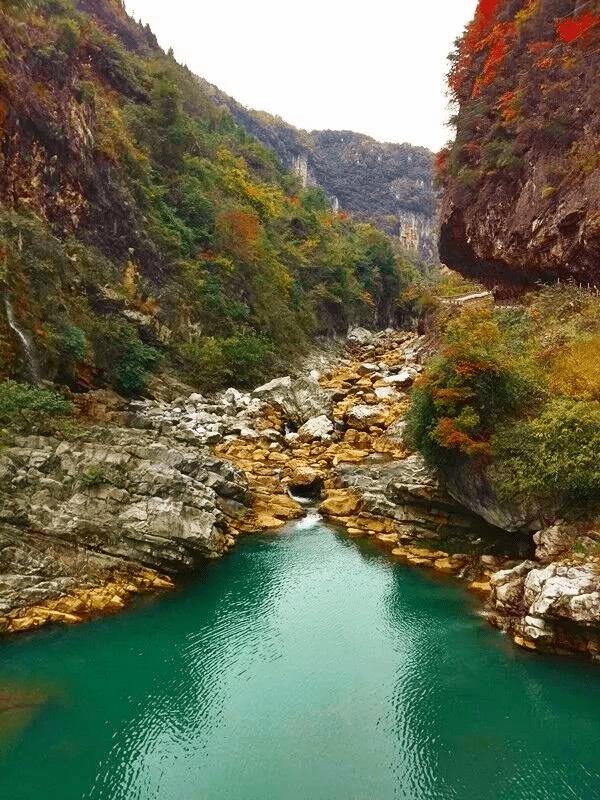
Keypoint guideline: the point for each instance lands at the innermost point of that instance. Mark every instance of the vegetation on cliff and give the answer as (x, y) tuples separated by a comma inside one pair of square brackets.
[(141, 226), (520, 181), (517, 390), (387, 184)]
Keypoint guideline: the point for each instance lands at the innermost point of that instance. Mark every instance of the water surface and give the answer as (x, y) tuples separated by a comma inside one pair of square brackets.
[(303, 666)]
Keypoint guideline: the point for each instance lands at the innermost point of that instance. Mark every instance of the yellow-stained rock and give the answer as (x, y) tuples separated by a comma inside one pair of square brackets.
[(340, 503), (480, 587), (526, 643)]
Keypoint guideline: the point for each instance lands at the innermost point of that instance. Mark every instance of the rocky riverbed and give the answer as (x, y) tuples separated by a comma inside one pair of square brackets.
[(129, 506)]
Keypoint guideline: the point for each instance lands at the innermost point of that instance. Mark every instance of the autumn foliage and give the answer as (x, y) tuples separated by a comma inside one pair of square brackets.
[(571, 29)]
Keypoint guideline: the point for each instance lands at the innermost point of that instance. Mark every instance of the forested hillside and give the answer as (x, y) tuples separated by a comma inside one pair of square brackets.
[(141, 227), (390, 185), (522, 179)]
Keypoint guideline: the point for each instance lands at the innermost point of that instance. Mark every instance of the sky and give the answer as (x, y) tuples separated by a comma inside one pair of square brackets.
[(375, 66)]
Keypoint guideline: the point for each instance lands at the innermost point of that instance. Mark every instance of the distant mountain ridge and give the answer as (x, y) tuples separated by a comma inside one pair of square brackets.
[(388, 184)]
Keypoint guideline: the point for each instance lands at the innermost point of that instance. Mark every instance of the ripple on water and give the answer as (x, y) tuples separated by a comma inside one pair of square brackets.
[(304, 666)]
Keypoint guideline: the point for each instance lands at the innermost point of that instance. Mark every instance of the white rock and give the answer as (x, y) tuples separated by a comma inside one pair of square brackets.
[(366, 368), (360, 335), (385, 393), (404, 378), (364, 416), (320, 427), (272, 386)]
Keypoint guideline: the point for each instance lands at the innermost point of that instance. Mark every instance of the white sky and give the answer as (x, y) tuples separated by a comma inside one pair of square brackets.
[(375, 66)]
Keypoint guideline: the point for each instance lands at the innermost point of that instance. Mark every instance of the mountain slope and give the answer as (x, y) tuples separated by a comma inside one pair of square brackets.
[(521, 182), (388, 184), (140, 225)]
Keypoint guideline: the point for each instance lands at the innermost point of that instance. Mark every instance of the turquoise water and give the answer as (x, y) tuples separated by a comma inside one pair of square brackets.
[(303, 666)]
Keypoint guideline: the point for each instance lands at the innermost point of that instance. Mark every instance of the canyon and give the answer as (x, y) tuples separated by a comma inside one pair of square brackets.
[(140, 502)]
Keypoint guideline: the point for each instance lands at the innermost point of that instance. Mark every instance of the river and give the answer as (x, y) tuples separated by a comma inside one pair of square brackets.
[(303, 666)]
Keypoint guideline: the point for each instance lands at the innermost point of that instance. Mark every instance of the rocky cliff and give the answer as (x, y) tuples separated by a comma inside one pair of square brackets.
[(388, 184), (521, 181)]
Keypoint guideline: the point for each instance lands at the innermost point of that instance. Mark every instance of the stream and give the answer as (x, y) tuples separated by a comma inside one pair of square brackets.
[(303, 666)]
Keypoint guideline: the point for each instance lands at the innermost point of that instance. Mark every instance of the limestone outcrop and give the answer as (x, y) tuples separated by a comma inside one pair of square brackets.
[(111, 500)]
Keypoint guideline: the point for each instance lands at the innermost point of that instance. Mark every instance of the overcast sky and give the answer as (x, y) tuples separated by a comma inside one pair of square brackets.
[(374, 66)]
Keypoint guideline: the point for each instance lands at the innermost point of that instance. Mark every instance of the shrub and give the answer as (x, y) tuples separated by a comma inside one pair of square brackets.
[(467, 391), (69, 37), (576, 372), (204, 363), (18, 397), (127, 360), (248, 357), (100, 474), (73, 344), (94, 475), (214, 363), (553, 456)]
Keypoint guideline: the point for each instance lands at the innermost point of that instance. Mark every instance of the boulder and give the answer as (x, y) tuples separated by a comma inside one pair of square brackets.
[(360, 336), (316, 428), (362, 417), (367, 368), (395, 431), (274, 388), (299, 400), (554, 541), (570, 592), (340, 503), (303, 476), (385, 393), (402, 379)]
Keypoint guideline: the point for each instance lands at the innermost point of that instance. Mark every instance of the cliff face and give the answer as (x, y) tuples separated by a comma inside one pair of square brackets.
[(521, 182), (390, 185)]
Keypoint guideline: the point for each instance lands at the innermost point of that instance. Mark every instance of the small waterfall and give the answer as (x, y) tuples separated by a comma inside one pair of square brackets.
[(310, 520), (28, 350)]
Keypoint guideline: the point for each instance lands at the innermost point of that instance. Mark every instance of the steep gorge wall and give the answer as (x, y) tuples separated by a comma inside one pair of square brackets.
[(521, 182), (388, 184)]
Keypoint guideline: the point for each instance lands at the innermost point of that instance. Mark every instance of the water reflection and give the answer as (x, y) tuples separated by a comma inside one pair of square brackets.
[(305, 666), (185, 706), (475, 719)]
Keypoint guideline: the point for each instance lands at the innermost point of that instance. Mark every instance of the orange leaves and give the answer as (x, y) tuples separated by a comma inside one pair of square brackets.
[(483, 34), (441, 161), (508, 105), (449, 436), (571, 29), (239, 232), (495, 58)]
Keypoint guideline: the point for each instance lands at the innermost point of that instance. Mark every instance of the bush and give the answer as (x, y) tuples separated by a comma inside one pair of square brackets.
[(248, 357), (204, 363), (215, 363), (467, 391), (73, 344), (553, 456), (18, 397), (127, 360), (94, 475), (69, 37)]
